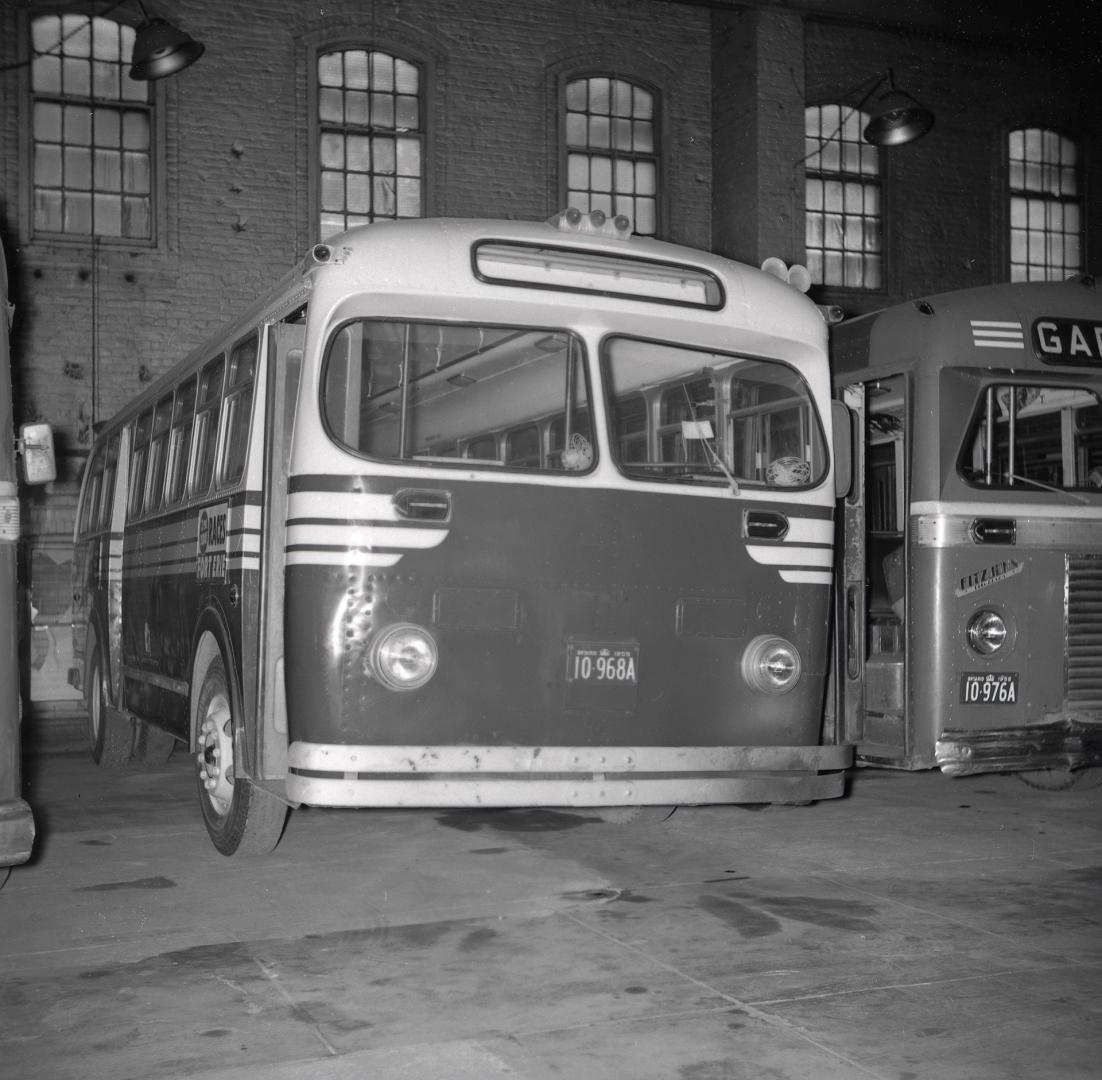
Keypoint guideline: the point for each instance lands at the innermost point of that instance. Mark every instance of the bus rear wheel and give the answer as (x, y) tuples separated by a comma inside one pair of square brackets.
[(240, 818), (110, 737)]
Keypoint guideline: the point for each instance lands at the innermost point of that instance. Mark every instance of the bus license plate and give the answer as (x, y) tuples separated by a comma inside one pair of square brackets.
[(601, 674), (987, 688)]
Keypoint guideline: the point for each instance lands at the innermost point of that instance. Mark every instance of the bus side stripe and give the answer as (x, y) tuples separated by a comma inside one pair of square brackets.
[(790, 555)]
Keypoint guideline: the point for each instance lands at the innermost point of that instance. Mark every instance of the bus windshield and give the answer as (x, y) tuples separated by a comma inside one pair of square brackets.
[(517, 397), (1036, 437), (496, 395), (693, 415)]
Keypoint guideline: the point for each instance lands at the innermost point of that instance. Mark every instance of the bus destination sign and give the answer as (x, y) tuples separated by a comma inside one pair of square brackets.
[(1068, 341)]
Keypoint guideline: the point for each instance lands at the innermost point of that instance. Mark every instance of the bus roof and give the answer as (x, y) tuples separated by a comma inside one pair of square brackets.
[(436, 256), (1020, 325)]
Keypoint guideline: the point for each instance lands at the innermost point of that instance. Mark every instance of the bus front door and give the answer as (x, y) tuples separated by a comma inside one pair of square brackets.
[(872, 646)]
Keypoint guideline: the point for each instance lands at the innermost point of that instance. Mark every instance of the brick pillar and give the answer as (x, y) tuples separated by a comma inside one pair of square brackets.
[(757, 134)]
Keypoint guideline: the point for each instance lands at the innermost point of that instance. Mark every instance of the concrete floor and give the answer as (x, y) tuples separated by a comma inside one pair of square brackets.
[(921, 927)]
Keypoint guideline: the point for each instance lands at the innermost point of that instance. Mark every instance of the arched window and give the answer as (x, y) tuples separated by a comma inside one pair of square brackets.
[(611, 145), (370, 141), (1046, 223), (91, 131), (844, 227)]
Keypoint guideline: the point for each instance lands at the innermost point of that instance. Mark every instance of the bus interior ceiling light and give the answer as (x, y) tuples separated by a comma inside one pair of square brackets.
[(161, 49)]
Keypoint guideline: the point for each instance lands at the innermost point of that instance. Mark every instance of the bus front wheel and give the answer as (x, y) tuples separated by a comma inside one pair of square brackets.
[(240, 818)]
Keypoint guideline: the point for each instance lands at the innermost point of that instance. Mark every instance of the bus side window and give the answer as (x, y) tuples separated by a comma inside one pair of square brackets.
[(179, 443), (484, 447), (107, 488), (89, 508), (138, 460), (158, 455), (237, 411), (557, 437), (522, 447), (629, 420), (206, 425)]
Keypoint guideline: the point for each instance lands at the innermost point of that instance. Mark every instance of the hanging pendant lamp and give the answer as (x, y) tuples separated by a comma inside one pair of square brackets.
[(161, 49)]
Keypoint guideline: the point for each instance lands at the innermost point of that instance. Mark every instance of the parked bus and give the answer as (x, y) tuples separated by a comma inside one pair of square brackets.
[(970, 589), (36, 445), (474, 513)]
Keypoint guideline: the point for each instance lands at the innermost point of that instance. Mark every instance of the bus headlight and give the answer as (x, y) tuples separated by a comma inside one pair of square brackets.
[(771, 664), (987, 632), (403, 656)]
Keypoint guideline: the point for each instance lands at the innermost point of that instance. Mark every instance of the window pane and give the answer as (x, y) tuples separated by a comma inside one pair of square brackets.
[(1045, 219), (80, 125), (382, 379), (843, 245), (617, 118), (364, 97)]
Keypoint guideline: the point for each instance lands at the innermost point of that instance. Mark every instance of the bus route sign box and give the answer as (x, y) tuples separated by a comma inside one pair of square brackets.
[(210, 547)]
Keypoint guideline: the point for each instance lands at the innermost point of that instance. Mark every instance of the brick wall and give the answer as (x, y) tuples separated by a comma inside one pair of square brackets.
[(94, 325)]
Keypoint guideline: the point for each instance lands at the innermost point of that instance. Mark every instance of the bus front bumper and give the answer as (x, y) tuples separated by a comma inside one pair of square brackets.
[(16, 832), (1065, 744), (547, 776)]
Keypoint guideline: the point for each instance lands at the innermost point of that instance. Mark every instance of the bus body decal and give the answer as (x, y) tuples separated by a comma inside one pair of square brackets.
[(988, 334), (210, 544), (352, 529), (806, 554)]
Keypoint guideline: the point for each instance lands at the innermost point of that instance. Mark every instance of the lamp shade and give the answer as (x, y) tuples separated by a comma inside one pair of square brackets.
[(897, 118), (161, 49)]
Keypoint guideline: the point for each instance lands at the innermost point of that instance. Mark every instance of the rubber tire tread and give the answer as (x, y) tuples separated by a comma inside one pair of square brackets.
[(113, 744), (254, 822)]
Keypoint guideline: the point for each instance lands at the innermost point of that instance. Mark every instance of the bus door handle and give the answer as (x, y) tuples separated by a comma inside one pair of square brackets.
[(994, 531), (764, 525), (421, 505)]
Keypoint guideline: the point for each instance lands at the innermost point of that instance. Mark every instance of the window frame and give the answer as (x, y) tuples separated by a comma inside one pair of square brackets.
[(1051, 271), (847, 115), (658, 153), (159, 181), (481, 447), (314, 125)]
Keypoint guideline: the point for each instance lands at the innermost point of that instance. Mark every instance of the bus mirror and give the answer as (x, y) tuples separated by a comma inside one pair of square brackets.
[(36, 443), (843, 448)]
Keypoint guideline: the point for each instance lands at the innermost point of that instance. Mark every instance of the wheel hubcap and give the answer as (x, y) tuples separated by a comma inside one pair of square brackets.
[(215, 757)]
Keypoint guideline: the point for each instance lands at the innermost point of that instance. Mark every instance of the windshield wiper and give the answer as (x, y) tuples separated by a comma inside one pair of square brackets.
[(1048, 487)]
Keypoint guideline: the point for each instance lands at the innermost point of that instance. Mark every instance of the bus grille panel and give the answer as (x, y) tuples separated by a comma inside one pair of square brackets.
[(1084, 631)]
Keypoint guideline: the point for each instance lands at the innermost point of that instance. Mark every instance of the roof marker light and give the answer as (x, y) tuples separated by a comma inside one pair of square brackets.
[(595, 223)]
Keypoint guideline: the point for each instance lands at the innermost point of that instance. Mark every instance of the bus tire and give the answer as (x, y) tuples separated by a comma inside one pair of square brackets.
[(241, 819), (1062, 779), (110, 737)]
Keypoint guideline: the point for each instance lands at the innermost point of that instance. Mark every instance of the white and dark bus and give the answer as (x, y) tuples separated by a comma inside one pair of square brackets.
[(473, 513), (970, 588)]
